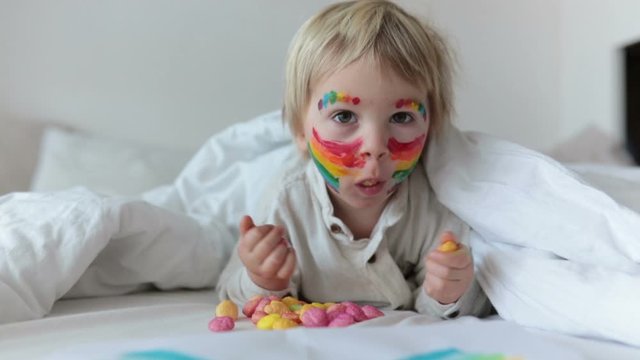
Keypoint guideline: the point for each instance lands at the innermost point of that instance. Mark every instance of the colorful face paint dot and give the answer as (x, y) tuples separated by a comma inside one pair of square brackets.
[(332, 97), (413, 105)]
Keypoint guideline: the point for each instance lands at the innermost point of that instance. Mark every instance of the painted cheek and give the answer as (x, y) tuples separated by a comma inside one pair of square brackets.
[(335, 159), (406, 154)]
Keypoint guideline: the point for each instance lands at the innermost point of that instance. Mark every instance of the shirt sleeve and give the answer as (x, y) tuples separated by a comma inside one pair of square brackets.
[(473, 302)]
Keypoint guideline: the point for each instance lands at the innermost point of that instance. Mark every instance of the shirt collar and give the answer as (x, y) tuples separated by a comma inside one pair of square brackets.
[(392, 213)]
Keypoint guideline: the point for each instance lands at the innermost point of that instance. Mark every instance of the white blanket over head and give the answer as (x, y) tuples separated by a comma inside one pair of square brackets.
[(551, 252)]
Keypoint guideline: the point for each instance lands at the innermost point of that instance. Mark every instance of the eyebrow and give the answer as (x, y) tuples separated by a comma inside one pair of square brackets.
[(332, 97), (414, 105)]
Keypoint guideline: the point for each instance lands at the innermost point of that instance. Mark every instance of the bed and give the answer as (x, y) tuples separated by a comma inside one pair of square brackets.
[(109, 328), (146, 324)]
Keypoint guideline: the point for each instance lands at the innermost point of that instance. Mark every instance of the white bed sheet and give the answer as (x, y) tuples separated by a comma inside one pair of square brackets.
[(76, 323)]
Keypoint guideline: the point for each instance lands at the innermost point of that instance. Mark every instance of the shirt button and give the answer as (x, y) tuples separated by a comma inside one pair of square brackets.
[(454, 314), (335, 228), (372, 259)]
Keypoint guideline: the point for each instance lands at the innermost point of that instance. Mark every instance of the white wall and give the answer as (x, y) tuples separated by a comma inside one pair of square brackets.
[(538, 72), (594, 31), (509, 55), (159, 71), (173, 72)]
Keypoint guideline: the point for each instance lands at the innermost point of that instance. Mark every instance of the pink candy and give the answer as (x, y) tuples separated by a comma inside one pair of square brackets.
[(372, 312), (336, 308), (250, 307), (355, 311), (262, 303), (289, 309), (342, 320), (257, 315), (221, 323), (315, 317)]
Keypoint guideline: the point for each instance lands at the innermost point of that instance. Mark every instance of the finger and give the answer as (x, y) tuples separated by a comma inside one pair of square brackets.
[(246, 223), (289, 266), (268, 243), (434, 285), (448, 236), (253, 237), (459, 259), (447, 273), (274, 261), (445, 292)]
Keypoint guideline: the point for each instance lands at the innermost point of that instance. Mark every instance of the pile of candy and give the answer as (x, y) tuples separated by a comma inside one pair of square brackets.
[(273, 313)]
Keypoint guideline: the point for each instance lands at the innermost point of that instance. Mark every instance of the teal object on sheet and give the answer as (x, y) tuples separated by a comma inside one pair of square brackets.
[(158, 355)]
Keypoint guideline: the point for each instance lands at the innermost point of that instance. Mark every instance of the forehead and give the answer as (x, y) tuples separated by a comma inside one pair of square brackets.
[(370, 81)]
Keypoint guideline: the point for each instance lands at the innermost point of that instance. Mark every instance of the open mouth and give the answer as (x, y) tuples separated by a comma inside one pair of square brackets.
[(369, 182), (371, 186)]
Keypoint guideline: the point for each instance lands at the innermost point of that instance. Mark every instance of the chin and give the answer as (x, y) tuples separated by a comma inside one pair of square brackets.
[(358, 202)]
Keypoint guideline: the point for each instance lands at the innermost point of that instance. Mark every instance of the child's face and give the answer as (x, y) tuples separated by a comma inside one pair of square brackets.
[(365, 129)]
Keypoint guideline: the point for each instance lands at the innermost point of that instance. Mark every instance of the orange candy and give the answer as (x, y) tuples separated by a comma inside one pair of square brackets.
[(276, 307), (227, 308), (449, 243)]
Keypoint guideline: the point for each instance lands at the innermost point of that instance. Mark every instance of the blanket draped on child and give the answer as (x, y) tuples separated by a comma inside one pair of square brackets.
[(551, 251)]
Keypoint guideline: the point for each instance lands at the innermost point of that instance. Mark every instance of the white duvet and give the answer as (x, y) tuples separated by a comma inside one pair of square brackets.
[(551, 252)]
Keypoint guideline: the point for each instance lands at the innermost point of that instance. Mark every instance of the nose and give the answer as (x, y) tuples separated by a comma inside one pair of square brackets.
[(375, 145)]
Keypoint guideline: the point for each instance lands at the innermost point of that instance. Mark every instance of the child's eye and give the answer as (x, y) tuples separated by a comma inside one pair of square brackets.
[(344, 117), (401, 118)]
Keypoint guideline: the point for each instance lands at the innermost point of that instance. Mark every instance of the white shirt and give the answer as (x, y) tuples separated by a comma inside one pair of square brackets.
[(385, 270)]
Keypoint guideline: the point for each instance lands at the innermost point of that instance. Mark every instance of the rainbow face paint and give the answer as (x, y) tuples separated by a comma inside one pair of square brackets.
[(335, 159), (332, 97), (407, 155), (413, 105)]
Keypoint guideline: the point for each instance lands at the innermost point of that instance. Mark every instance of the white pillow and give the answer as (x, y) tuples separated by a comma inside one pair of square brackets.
[(592, 145), (107, 166)]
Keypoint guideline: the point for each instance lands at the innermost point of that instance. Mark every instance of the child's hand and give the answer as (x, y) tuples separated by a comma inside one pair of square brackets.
[(266, 254), (449, 270)]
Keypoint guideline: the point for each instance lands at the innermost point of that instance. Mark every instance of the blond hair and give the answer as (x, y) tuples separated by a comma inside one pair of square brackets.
[(346, 32)]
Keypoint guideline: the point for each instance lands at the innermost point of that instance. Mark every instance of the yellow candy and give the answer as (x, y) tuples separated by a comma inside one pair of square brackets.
[(276, 307), (280, 324), (318, 305), (448, 246), (227, 308), (266, 323), (290, 300)]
